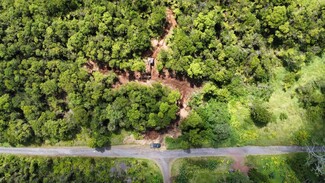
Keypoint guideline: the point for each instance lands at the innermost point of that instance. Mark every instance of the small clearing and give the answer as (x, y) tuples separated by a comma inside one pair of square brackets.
[(182, 84)]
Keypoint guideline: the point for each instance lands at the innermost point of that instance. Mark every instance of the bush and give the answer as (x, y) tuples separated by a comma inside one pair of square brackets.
[(301, 137), (221, 132), (260, 115), (256, 176), (237, 177), (289, 80), (283, 116)]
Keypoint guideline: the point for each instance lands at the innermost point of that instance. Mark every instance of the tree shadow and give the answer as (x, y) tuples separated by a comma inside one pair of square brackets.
[(187, 150), (103, 149)]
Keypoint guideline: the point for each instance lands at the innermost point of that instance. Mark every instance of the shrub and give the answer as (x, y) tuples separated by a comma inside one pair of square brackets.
[(260, 115), (283, 116), (301, 137), (256, 176), (237, 177), (221, 132)]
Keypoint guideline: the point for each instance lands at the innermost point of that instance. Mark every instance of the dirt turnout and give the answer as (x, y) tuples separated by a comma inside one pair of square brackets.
[(239, 164)]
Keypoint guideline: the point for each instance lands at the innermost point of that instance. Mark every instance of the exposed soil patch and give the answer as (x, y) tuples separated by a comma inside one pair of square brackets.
[(91, 66), (182, 84), (183, 113), (239, 164), (162, 42), (152, 135)]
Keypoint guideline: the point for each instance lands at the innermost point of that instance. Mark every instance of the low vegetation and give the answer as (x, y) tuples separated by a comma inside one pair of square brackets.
[(201, 170), (273, 114), (283, 168), (59, 169), (208, 125), (260, 115), (296, 167)]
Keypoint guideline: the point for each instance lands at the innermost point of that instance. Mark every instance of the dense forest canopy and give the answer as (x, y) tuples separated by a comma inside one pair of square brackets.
[(216, 41), (47, 94)]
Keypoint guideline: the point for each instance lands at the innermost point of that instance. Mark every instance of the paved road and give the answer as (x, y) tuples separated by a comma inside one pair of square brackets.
[(162, 157)]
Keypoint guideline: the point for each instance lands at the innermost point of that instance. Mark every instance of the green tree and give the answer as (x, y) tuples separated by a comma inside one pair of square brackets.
[(192, 121), (277, 16), (19, 132), (195, 70)]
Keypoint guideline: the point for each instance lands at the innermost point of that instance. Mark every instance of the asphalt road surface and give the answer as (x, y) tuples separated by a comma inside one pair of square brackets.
[(162, 157)]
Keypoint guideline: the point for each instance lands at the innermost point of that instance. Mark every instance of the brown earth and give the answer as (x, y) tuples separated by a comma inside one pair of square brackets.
[(239, 161), (182, 84)]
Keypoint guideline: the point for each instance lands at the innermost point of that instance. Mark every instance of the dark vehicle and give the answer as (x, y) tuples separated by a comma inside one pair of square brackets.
[(155, 145)]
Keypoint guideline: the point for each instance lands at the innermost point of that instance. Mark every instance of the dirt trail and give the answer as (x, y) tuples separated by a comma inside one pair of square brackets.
[(181, 84), (185, 87), (162, 42)]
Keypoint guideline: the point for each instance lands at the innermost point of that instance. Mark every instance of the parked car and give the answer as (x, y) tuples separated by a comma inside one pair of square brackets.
[(155, 145)]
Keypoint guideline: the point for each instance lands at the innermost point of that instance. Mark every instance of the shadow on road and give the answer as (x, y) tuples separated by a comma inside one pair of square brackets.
[(103, 149), (188, 151)]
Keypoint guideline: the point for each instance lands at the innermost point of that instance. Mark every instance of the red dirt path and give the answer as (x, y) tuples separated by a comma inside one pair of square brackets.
[(182, 85)]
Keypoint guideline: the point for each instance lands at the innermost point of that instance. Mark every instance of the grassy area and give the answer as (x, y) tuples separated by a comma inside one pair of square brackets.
[(268, 169), (117, 139), (281, 168), (201, 170), (77, 169), (278, 132), (290, 121), (82, 139)]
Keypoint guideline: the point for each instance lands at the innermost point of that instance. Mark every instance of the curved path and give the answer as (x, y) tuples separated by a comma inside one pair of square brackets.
[(162, 157)]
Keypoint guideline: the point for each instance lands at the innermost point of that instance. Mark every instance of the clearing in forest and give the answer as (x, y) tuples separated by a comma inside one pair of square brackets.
[(182, 84)]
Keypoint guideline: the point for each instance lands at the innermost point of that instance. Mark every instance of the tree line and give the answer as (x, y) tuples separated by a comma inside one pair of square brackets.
[(58, 169)]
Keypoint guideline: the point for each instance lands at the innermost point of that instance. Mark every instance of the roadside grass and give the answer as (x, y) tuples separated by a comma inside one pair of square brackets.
[(281, 168), (83, 139), (201, 170), (291, 167), (281, 131), (244, 131), (118, 138), (175, 143), (273, 168), (315, 128)]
